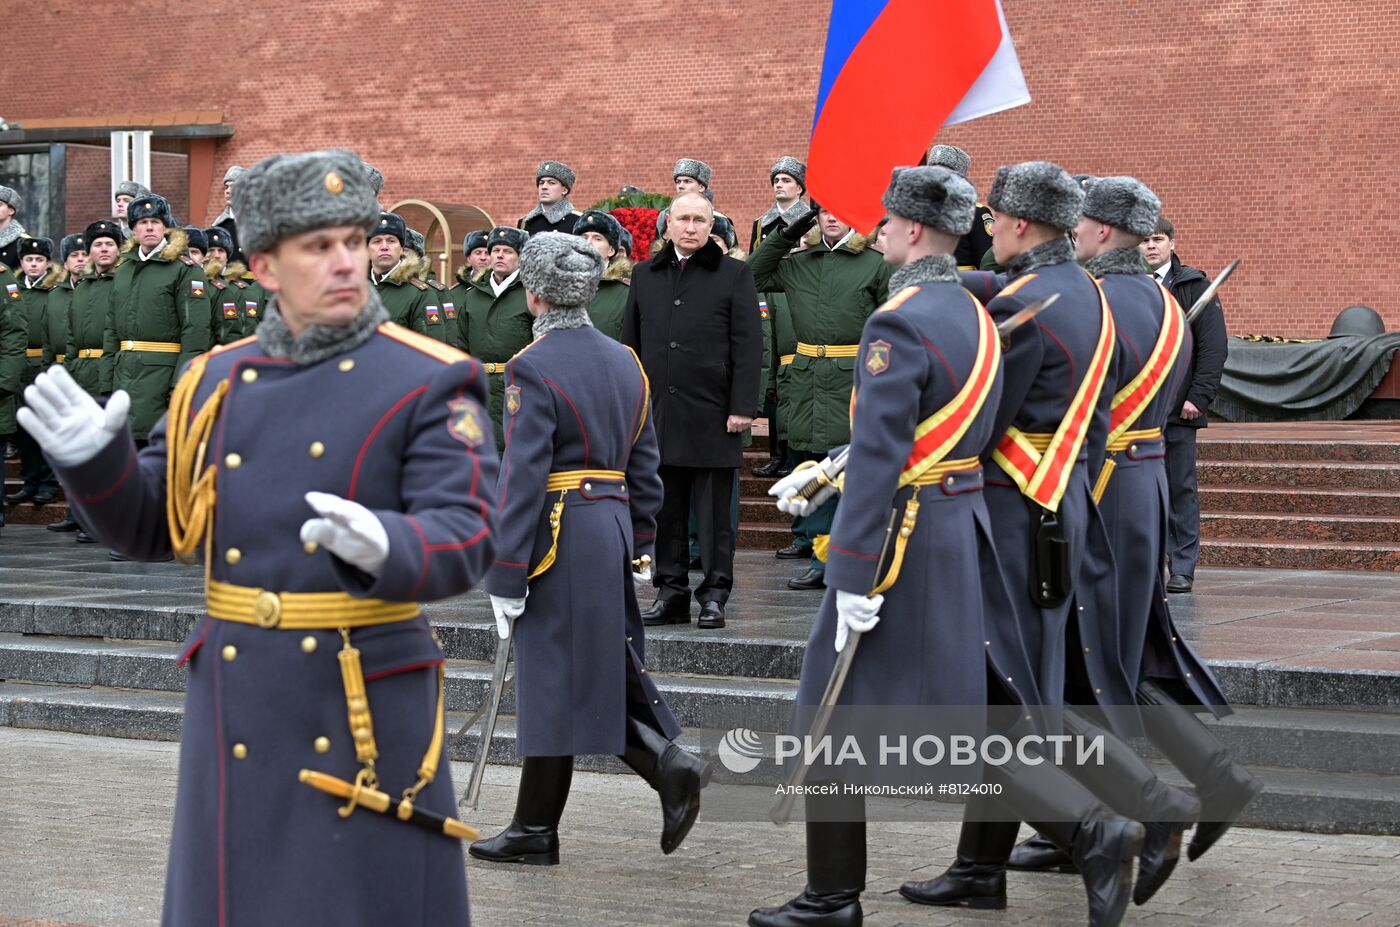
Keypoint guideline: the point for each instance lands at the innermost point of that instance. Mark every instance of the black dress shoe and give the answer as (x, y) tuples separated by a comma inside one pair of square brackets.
[(68, 524), (711, 616), (812, 579), (119, 558), (965, 884), (810, 909), (783, 471), (1036, 854), (770, 469), (794, 551), (665, 611), (45, 498), (82, 537), (520, 843), (23, 495), (1179, 583)]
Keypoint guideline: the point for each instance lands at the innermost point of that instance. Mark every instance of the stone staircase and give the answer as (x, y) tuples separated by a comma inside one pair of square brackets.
[(27, 514)]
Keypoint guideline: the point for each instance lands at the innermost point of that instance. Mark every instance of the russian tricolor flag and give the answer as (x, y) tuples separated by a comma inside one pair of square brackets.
[(896, 71)]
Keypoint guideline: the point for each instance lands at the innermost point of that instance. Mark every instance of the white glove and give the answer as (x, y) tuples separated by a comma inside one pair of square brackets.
[(68, 423), (785, 490), (642, 577), (506, 611), (857, 613), (348, 530)]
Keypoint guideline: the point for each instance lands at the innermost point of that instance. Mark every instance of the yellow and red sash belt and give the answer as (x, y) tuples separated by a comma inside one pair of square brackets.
[(1043, 473)]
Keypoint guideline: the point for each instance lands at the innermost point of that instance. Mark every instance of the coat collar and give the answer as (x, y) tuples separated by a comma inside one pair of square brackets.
[(707, 257)]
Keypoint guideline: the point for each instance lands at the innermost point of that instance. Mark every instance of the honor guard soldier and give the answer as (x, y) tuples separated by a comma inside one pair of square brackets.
[(38, 275), (85, 357), (579, 493), (605, 233), (10, 230), (391, 271), (160, 312), (348, 478), (925, 399), (126, 192), (554, 181), (978, 241), (240, 300), (493, 321), (832, 287), (1043, 517), (226, 221)]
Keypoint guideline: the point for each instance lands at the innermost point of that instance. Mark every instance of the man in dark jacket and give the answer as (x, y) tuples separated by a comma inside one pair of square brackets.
[(1193, 399), (692, 316)]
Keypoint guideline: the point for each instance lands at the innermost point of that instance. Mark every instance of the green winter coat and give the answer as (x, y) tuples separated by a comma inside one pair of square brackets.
[(830, 295), (237, 300), (404, 298), (605, 308), (441, 324), (87, 328), (493, 329), (35, 297), (56, 311), (14, 339), (165, 300)]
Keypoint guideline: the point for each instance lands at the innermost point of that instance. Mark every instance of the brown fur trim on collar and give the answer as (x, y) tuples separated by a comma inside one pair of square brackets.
[(213, 269), (408, 265), (619, 268), (176, 243), (52, 276), (235, 271), (855, 244)]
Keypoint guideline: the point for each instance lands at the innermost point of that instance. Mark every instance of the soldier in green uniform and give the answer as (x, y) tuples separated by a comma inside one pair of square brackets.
[(159, 318), (605, 233), (240, 299), (391, 270), (84, 356), (476, 264), (72, 252), (476, 254), (832, 287), (493, 321), (14, 336), (439, 312), (38, 276)]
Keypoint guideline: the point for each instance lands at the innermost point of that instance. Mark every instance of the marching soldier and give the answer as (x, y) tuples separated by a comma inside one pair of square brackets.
[(930, 355), (239, 298), (391, 271), (312, 613), (159, 319), (580, 464), (978, 241), (1043, 520), (493, 321), (604, 233), (554, 181), (38, 276), (832, 287)]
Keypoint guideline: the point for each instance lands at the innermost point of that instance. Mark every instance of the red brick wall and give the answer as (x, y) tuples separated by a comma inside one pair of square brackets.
[(1268, 127)]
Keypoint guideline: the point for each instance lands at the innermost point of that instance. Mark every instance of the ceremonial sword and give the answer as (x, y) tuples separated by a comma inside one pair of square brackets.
[(1200, 305), (488, 723)]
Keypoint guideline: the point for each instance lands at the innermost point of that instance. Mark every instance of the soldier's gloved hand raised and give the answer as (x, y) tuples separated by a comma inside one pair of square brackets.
[(785, 490), (802, 224), (855, 613), (348, 530), (506, 611), (68, 423)]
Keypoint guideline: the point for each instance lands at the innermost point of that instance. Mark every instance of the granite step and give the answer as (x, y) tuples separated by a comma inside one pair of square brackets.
[(1273, 498), (761, 510), (1293, 799), (764, 536), (1309, 475), (1211, 448), (1362, 529), (1299, 555)]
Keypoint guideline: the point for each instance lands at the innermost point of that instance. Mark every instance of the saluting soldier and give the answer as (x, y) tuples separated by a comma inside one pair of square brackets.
[(38, 276), (240, 298), (604, 233), (349, 478), (554, 181), (493, 321), (832, 287), (159, 318), (978, 241), (579, 493), (391, 271), (85, 358)]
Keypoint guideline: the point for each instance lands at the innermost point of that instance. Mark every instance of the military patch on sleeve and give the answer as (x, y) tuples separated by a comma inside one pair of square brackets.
[(987, 222), (449, 310), (197, 288), (12, 290), (512, 399), (464, 422), (434, 316), (230, 310), (763, 308), (877, 357), (251, 308)]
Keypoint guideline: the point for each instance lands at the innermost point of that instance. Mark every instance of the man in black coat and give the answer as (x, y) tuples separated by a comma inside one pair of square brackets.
[(1197, 388), (692, 317)]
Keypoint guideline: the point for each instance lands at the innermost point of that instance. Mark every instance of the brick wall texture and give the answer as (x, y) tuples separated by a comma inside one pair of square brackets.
[(1268, 127)]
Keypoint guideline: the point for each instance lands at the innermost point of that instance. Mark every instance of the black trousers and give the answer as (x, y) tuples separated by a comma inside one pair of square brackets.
[(35, 470), (1184, 523), (711, 489)]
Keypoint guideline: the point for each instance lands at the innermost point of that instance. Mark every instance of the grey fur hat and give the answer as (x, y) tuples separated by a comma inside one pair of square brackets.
[(1124, 203), (689, 167), (950, 156), (71, 243), (510, 237), (559, 171), (234, 174), (1037, 191), (10, 196), (416, 242), (595, 220), (932, 196), (150, 206), (375, 176), (563, 270), (286, 195), (131, 188), (792, 167)]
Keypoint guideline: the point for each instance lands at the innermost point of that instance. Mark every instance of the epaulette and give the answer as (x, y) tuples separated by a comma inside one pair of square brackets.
[(898, 299), (1012, 288), (419, 283), (429, 346), (437, 286), (240, 284), (4, 269), (189, 260), (221, 348), (218, 284)]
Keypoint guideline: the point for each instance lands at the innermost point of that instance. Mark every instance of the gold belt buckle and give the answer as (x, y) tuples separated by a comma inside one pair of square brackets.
[(267, 610), (821, 350)]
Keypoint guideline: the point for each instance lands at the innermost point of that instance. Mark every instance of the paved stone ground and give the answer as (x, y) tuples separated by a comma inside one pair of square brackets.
[(85, 826)]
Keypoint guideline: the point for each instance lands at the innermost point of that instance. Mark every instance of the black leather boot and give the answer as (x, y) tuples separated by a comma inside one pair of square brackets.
[(769, 469), (1036, 854), (533, 835), (1132, 789), (835, 877), (1223, 786), (675, 774), (977, 878)]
